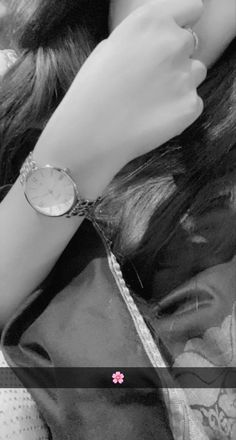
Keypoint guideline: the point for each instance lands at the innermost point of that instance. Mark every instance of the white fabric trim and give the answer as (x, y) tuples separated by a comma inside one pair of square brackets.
[(182, 420)]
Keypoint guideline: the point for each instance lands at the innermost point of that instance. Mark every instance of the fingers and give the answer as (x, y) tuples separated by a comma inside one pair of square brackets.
[(184, 41), (183, 12), (189, 41), (194, 107), (199, 107), (198, 72)]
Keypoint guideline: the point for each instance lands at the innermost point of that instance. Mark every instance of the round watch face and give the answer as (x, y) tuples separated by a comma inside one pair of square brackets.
[(50, 191)]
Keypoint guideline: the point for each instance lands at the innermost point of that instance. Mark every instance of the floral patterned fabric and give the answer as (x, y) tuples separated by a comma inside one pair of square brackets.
[(200, 335), (215, 407)]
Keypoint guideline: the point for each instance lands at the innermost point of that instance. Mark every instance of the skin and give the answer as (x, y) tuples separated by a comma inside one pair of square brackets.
[(165, 103), (215, 30), (78, 135)]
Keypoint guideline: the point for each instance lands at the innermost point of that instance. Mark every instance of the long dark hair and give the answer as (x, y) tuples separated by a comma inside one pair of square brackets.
[(168, 213)]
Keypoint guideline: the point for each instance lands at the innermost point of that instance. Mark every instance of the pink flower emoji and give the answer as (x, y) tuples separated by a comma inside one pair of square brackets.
[(118, 377)]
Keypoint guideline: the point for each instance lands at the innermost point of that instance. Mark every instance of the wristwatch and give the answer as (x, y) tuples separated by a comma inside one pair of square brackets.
[(52, 191)]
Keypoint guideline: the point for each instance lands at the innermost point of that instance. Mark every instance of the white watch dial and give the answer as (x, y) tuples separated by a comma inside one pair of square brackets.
[(50, 191)]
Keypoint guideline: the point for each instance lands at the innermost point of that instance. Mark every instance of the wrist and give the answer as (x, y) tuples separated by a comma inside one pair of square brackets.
[(91, 175)]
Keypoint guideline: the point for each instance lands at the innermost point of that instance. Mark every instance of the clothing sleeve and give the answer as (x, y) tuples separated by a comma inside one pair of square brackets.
[(83, 324)]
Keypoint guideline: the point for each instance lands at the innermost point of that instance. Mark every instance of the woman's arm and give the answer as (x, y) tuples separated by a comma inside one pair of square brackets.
[(31, 243), (119, 106), (30, 246)]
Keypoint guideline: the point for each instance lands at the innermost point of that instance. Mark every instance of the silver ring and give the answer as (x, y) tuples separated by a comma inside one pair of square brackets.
[(195, 37)]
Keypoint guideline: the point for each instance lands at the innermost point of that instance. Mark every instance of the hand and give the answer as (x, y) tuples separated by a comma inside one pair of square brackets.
[(137, 90)]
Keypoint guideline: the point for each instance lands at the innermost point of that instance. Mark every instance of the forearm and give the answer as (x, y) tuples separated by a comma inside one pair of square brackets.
[(30, 245)]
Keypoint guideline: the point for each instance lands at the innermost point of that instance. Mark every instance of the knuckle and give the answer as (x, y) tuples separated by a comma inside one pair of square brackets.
[(200, 70), (195, 104), (193, 101), (200, 65), (200, 105)]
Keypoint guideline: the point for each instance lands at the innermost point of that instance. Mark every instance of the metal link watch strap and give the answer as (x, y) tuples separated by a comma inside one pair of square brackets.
[(28, 165), (82, 208)]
